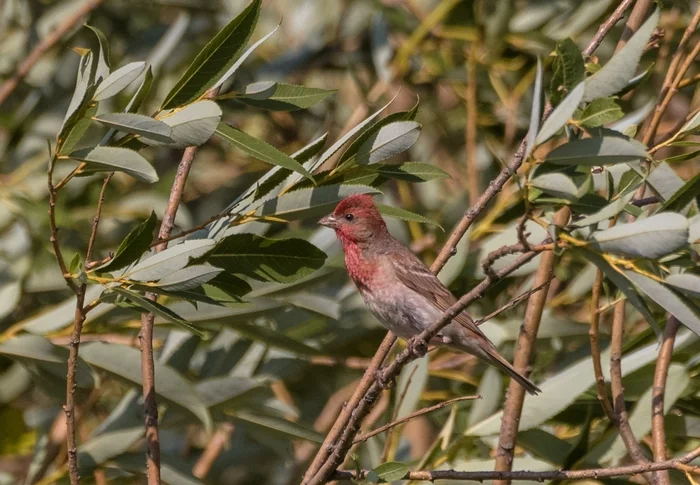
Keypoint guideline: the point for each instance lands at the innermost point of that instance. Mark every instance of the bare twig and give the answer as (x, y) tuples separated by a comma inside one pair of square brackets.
[(54, 229), (470, 126), (214, 448), (658, 434), (606, 26), (523, 354), (420, 412), (515, 301), (680, 463), (645, 201), (52, 39), (594, 336), (635, 20)]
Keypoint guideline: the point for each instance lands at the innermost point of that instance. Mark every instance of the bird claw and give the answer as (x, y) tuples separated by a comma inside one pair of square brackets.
[(382, 379), (418, 347)]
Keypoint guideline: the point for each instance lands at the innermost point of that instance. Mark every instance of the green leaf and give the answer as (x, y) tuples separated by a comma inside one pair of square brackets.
[(556, 184), (409, 387), (80, 100), (133, 246), (259, 149), (226, 392), (157, 309), (687, 283), (684, 196), (229, 284), (275, 96), (676, 304), (215, 59), (278, 425), (607, 212), (274, 338), (653, 237), (140, 95), (391, 471), (600, 112), (137, 125), (103, 447), (597, 151), (125, 362), (109, 159), (535, 110), (560, 116), (260, 258), (691, 124), (75, 134), (683, 157), (404, 215), (192, 125), (118, 80), (103, 63), (388, 141), (172, 259), (568, 70), (412, 171), (619, 70), (188, 278)]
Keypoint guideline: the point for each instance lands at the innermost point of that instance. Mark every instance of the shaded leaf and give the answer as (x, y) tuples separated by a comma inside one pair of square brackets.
[(560, 116), (404, 215), (133, 246), (311, 201), (568, 70), (276, 96), (103, 62), (597, 151), (535, 110), (188, 278), (118, 80), (172, 259), (684, 196), (193, 125), (687, 283), (388, 141), (287, 429), (600, 112), (610, 210), (80, 99), (556, 184), (108, 159), (141, 93)]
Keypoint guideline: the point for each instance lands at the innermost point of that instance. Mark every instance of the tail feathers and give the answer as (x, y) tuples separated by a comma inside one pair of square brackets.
[(495, 359)]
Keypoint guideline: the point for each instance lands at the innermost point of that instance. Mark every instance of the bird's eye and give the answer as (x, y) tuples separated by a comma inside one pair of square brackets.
[(349, 217)]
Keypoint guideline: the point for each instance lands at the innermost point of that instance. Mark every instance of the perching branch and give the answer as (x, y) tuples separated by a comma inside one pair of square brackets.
[(594, 337)]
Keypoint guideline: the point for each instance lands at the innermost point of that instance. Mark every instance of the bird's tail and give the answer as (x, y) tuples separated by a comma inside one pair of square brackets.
[(492, 356)]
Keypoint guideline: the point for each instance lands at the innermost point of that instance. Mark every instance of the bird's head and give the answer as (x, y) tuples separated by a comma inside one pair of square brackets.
[(356, 219)]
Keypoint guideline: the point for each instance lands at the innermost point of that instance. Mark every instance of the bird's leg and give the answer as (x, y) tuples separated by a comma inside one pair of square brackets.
[(418, 346), (382, 379)]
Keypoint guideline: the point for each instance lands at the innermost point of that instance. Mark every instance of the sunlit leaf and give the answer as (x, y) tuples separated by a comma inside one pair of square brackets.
[(109, 159)]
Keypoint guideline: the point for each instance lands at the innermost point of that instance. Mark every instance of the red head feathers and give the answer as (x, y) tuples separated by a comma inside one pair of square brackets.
[(356, 219)]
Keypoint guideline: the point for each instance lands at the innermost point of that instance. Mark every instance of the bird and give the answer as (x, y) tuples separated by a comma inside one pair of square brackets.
[(401, 292)]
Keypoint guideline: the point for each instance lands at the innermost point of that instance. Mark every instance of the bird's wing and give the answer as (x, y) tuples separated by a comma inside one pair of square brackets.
[(414, 274)]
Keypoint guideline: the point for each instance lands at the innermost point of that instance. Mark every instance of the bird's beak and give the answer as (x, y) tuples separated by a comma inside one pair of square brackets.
[(329, 221)]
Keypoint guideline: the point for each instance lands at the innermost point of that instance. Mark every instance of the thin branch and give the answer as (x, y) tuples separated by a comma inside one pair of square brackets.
[(645, 201), (594, 337), (470, 131), (540, 476), (52, 39), (54, 229), (516, 300), (635, 20), (605, 27), (513, 406), (364, 437), (214, 448), (658, 434)]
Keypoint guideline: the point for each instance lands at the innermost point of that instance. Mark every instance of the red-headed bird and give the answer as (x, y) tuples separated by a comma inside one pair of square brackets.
[(404, 295)]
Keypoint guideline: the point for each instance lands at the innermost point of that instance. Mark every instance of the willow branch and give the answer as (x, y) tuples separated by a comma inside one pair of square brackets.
[(594, 337), (470, 131), (214, 448)]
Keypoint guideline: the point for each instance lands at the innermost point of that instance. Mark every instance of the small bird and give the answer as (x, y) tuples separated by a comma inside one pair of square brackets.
[(404, 295)]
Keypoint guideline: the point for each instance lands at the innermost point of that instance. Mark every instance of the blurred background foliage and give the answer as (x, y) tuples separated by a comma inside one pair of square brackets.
[(272, 371)]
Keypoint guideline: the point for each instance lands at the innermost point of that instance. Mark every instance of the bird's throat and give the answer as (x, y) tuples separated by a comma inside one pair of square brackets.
[(360, 268)]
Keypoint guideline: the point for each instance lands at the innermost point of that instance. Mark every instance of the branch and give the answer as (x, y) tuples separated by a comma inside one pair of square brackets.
[(594, 337), (54, 229), (470, 130), (364, 437), (658, 434), (513, 407), (541, 476), (52, 39), (214, 448)]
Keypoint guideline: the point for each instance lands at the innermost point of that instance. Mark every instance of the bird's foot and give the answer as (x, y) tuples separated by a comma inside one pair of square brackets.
[(418, 347), (383, 381)]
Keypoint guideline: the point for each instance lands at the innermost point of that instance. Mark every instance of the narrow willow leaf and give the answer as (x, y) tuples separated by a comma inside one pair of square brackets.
[(103, 63), (692, 124), (188, 278), (687, 283), (391, 471), (535, 110), (259, 149), (118, 80), (79, 128), (230, 284), (141, 93), (278, 425), (215, 59), (274, 338), (80, 100), (663, 180), (137, 125), (172, 259), (684, 196), (275, 96), (193, 125), (560, 116), (618, 71), (597, 151), (412, 171), (312, 201), (133, 246), (306, 153), (405, 215), (157, 309), (676, 304), (568, 70), (103, 447), (260, 258), (600, 112), (610, 210), (109, 159), (388, 141), (653, 237), (556, 184)]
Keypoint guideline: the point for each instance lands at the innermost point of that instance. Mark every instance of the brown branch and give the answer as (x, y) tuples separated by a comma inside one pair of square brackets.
[(52, 39), (54, 229), (645, 201), (658, 434), (513, 406), (470, 131), (688, 81), (680, 463), (364, 437), (605, 27), (214, 448), (635, 20), (594, 337)]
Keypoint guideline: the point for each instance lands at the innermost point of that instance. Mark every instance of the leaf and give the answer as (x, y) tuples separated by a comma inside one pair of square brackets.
[(312, 201), (274, 338), (215, 59), (597, 151), (140, 95), (687, 283), (79, 101), (281, 426), (103, 63), (133, 246), (663, 180), (388, 141), (276, 96), (231, 285), (684, 196), (653, 237), (193, 125), (677, 305), (260, 258), (535, 110), (568, 70), (103, 447), (692, 124), (404, 215), (607, 212), (170, 260), (560, 116), (118, 80), (409, 387), (226, 392), (412, 171), (556, 184), (619, 70), (137, 125), (259, 149), (188, 278), (125, 362), (391, 471), (600, 112), (108, 159), (76, 133)]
